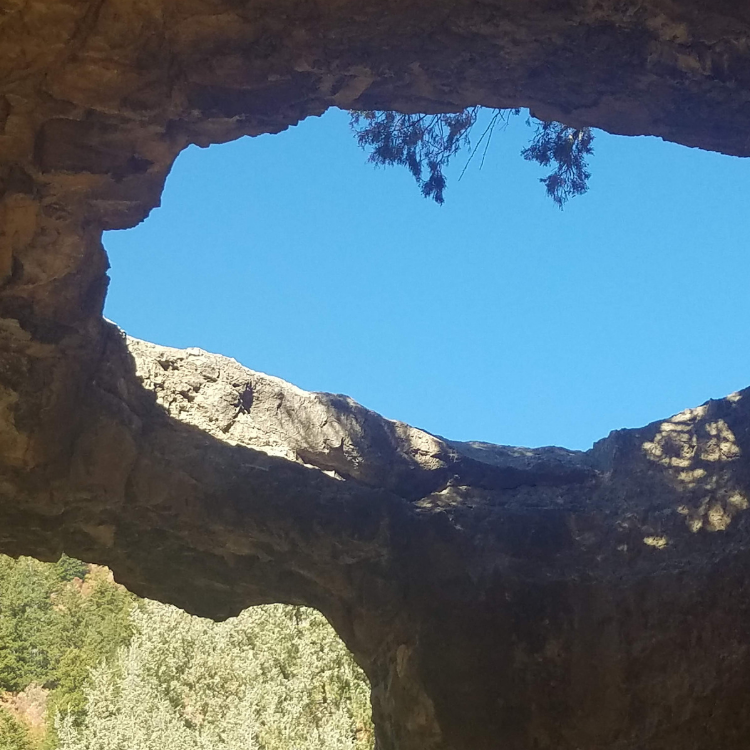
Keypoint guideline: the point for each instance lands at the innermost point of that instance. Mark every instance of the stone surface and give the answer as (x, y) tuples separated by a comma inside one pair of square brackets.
[(497, 597)]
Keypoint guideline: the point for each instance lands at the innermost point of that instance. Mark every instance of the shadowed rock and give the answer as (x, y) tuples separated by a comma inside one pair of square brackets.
[(497, 597), (550, 598)]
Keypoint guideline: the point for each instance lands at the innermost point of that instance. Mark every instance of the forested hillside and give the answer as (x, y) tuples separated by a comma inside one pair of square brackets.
[(85, 665)]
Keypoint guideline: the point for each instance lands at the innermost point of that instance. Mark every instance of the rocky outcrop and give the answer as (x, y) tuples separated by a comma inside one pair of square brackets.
[(495, 596)]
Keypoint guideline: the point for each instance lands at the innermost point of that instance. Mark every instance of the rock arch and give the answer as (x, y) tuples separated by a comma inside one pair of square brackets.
[(496, 597)]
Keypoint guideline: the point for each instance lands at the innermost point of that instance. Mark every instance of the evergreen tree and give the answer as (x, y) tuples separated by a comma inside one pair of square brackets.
[(425, 144), (275, 678), (68, 568), (57, 621), (124, 675), (27, 622), (13, 733)]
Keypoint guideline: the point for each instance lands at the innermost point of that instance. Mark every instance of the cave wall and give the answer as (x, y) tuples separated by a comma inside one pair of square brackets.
[(496, 597)]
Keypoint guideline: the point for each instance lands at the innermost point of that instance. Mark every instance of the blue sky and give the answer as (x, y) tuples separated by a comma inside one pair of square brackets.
[(494, 317)]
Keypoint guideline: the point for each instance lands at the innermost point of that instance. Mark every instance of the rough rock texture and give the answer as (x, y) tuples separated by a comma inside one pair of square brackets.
[(497, 597)]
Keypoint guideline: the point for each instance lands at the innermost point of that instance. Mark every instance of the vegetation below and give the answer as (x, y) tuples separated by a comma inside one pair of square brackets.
[(85, 665)]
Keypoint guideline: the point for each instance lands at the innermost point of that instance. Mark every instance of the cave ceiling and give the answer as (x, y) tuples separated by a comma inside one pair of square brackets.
[(496, 597)]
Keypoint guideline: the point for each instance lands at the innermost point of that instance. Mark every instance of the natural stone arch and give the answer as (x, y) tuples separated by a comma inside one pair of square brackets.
[(495, 597)]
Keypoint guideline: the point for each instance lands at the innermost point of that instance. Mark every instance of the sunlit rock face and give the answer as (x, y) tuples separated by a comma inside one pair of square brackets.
[(497, 597)]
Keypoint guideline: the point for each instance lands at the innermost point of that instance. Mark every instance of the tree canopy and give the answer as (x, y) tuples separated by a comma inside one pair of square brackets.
[(117, 673)]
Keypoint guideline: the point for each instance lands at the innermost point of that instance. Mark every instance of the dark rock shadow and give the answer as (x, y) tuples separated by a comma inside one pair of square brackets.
[(490, 604)]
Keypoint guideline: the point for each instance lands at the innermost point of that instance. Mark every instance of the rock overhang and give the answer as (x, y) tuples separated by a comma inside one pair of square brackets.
[(542, 599)]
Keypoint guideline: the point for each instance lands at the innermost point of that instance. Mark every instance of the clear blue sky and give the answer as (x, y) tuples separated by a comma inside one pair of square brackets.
[(495, 317)]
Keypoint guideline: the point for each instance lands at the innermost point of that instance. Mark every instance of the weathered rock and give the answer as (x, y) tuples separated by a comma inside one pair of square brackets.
[(497, 597)]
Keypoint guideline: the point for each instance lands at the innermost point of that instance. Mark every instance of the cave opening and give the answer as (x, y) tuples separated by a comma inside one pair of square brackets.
[(493, 317), (87, 664), (530, 598)]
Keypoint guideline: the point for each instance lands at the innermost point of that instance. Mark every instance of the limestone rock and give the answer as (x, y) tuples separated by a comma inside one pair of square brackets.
[(496, 597), (549, 598), (333, 432)]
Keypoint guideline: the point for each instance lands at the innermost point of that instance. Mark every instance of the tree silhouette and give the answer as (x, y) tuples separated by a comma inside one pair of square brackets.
[(425, 144)]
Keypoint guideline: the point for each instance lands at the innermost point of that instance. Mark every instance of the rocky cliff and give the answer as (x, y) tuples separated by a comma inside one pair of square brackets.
[(497, 597)]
